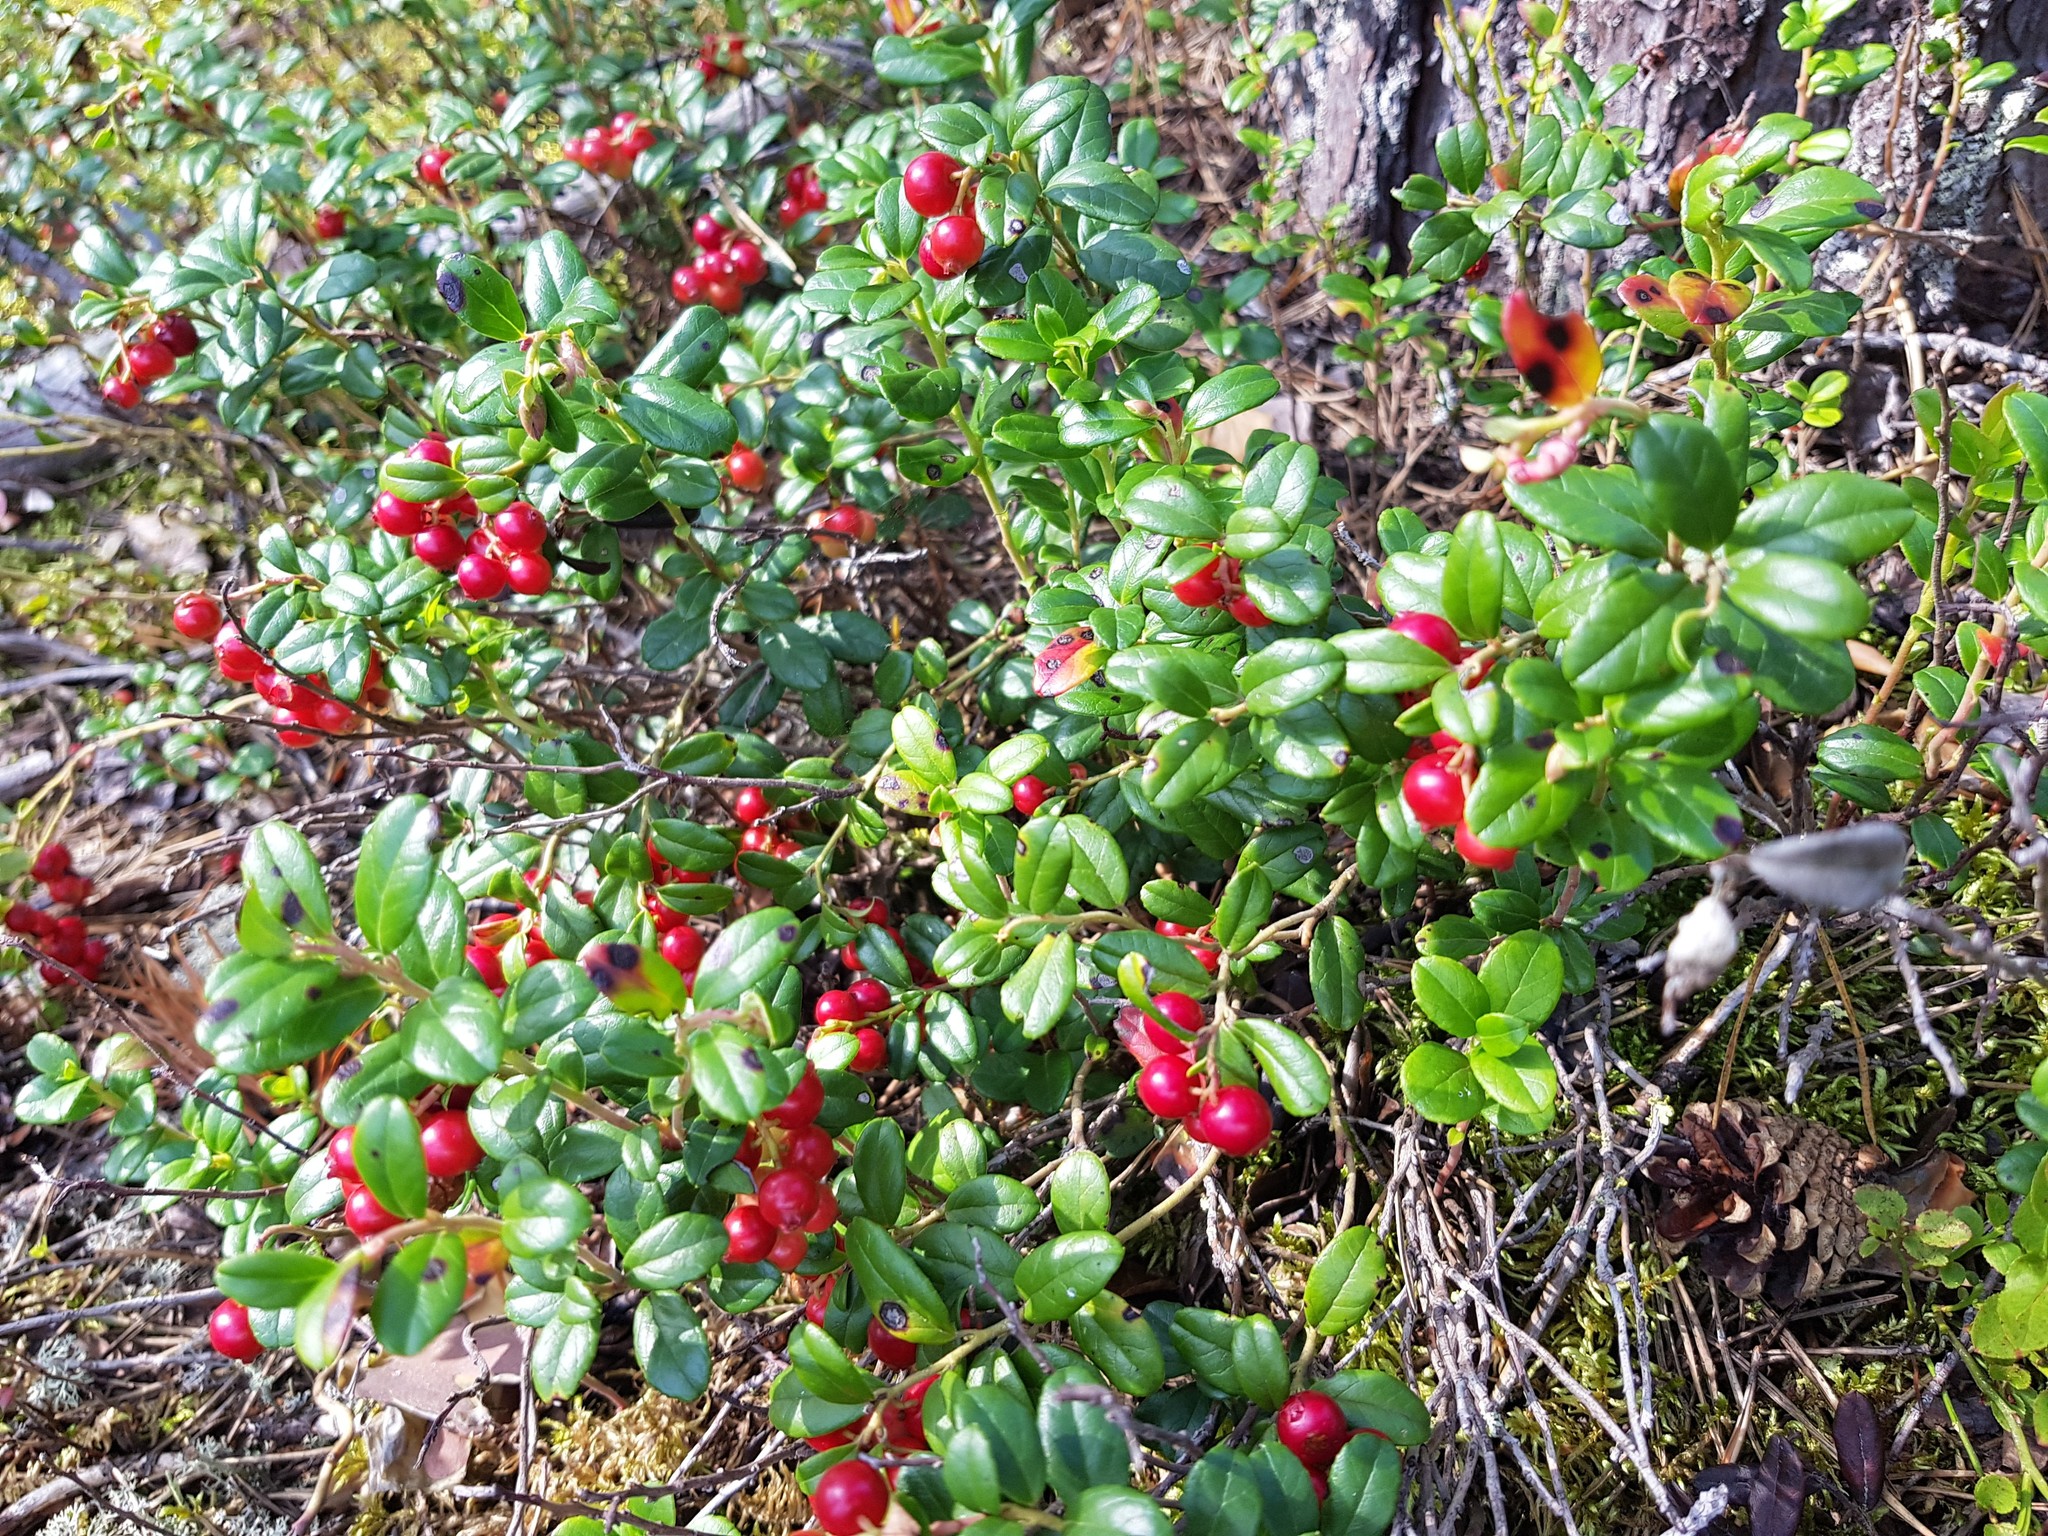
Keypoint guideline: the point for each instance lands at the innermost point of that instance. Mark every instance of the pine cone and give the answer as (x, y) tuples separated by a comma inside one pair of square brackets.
[(1770, 1198)]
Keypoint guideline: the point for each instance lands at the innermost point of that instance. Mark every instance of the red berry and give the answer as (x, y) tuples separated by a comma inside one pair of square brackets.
[(855, 523), (70, 890), (229, 1332), (745, 262), (529, 575), (826, 1216), (520, 528), (748, 1235), (329, 715), (52, 862), (1029, 793), (1434, 793), (439, 546), (363, 1216), (850, 1498), (1485, 855), (808, 1151), (746, 469), (431, 166), (789, 1251), (836, 1007), (757, 840), (708, 232), (687, 284), (480, 577), (892, 1353), (723, 295), (1235, 1121), (803, 1103), (329, 222), (683, 948), (398, 517), (197, 616), (1166, 1087), (432, 449), (176, 334), (1204, 589), (237, 660), (868, 909), (275, 688), (870, 1050), (933, 183), (951, 246), (1430, 630), (487, 963), (1247, 612), (820, 1301), (25, 920), (149, 361), (282, 719), (750, 805), (120, 393), (1181, 1011), (1312, 1426), (341, 1156), (869, 996), (447, 1142), (630, 143), (849, 956), (789, 210)]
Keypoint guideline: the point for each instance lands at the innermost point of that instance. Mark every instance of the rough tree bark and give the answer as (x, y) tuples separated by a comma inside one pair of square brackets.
[(1373, 96)]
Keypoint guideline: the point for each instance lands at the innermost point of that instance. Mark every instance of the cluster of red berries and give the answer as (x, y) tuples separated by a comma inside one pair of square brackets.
[(503, 550), (681, 945), (802, 193), (848, 1009), (610, 151), (447, 1144), (750, 809), (485, 954), (873, 910), (302, 709), (150, 355), (1207, 955), (1233, 1118), (1313, 1426), (431, 166), (1434, 785), (722, 270), (790, 1201), (723, 56), (937, 186), (1221, 582), (63, 939)]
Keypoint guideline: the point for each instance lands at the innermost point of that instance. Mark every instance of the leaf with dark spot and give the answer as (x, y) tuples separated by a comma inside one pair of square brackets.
[(1777, 1497), (635, 980), (1859, 1441)]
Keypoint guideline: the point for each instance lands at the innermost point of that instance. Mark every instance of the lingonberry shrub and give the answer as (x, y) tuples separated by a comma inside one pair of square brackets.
[(622, 1035)]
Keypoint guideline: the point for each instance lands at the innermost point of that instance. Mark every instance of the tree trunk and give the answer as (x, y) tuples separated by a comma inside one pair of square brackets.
[(1373, 95)]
